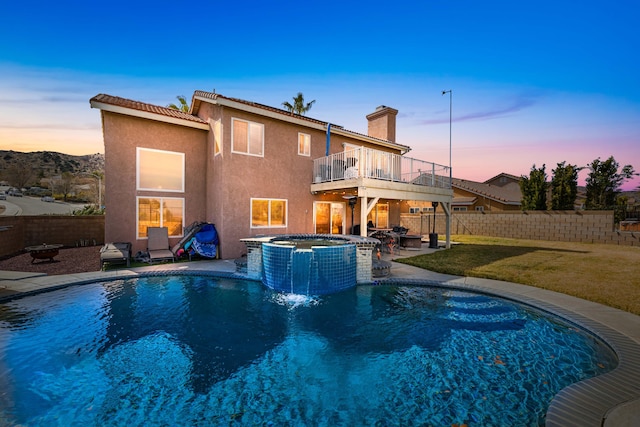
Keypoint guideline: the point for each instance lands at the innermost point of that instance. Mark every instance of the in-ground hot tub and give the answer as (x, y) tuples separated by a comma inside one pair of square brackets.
[(310, 264)]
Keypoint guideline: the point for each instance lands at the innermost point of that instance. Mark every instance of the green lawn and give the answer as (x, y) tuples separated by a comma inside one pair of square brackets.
[(607, 274)]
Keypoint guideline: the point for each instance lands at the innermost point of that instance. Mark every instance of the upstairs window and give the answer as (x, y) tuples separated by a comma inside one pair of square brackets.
[(216, 128), (247, 138), (159, 170), (304, 144)]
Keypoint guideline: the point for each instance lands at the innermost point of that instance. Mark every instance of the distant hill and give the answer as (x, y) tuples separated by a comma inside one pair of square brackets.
[(44, 164)]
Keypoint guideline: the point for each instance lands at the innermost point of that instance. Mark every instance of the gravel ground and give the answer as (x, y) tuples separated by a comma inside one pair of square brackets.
[(68, 261)]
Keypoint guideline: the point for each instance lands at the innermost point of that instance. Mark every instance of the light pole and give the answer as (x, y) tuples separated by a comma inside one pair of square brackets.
[(99, 178), (447, 211), (450, 116)]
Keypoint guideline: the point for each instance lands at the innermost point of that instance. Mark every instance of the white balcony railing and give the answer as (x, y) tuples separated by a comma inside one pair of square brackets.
[(367, 163)]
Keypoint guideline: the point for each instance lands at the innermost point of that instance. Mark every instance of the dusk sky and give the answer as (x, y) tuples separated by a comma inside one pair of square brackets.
[(533, 82)]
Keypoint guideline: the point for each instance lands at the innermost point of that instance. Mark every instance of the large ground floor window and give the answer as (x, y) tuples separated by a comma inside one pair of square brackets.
[(329, 217), (268, 213), (160, 212)]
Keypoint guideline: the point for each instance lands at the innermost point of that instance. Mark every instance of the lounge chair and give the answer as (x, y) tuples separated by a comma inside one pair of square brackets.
[(158, 244), (115, 252)]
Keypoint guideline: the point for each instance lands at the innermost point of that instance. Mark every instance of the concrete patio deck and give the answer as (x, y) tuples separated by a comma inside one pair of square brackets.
[(612, 399)]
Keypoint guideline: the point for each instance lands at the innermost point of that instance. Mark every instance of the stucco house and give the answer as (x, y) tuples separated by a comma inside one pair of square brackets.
[(253, 170), (500, 193)]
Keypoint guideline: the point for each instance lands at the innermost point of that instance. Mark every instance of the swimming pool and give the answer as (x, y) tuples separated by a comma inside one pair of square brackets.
[(197, 350)]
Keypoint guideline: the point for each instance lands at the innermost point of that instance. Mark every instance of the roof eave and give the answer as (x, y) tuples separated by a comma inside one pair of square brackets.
[(226, 102), (147, 115)]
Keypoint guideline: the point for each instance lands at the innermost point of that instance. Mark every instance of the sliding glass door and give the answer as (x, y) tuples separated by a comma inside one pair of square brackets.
[(329, 217)]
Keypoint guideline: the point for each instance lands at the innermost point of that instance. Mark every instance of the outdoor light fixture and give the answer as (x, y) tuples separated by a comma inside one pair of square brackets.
[(433, 237), (352, 202), (435, 206)]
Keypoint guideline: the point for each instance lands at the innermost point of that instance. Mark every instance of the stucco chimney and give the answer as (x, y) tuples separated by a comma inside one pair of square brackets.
[(382, 123)]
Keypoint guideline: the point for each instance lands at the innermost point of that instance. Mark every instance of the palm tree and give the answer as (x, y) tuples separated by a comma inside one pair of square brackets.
[(184, 106), (298, 106)]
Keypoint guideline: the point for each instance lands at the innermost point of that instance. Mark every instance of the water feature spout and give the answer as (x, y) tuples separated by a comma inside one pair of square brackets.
[(300, 267), (310, 264)]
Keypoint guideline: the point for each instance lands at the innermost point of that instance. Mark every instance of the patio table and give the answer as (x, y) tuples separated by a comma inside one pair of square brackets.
[(43, 251)]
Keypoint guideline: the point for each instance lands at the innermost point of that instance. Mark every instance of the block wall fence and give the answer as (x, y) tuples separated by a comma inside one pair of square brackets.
[(564, 226), (18, 232)]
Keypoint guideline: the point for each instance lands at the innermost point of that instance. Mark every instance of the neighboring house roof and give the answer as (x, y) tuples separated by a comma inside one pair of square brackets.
[(505, 175), (508, 194), (464, 201), (117, 104)]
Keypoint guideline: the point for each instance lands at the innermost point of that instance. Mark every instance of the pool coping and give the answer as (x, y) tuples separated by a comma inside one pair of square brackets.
[(610, 399)]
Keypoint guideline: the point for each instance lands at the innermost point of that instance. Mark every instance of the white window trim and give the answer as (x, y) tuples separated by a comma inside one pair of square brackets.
[(374, 214), (182, 160), (286, 214), (233, 119), (344, 217), (162, 199), (309, 138)]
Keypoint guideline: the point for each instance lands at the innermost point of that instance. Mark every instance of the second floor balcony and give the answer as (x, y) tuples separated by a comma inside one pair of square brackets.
[(379, 165)]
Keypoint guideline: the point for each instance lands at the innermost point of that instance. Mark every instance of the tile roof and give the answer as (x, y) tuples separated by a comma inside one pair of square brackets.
[(464, 200), (169, 112), (504, 174), (508, 194), (214, 96), (142, 106)]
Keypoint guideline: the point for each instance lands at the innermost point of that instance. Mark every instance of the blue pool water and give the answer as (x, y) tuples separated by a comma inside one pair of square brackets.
[(203, 351)]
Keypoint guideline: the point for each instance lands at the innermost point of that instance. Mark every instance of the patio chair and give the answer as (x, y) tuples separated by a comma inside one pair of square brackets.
[(158, 244), (115, 252)]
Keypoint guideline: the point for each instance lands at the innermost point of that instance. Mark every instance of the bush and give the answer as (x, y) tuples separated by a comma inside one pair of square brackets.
[(89, 210)]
